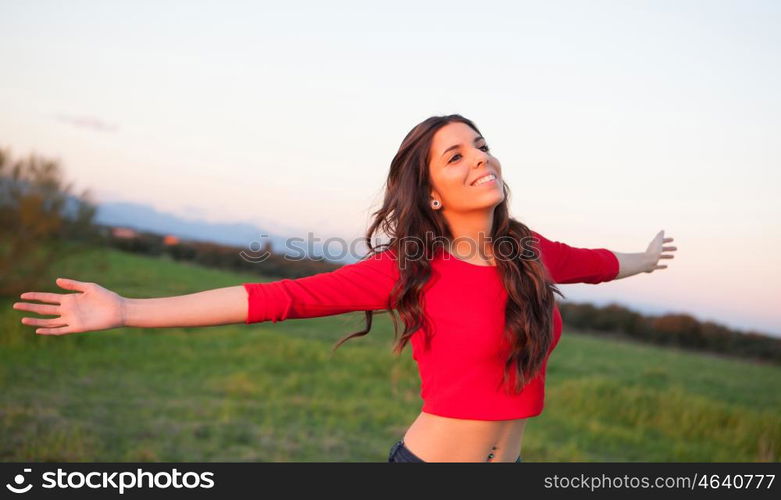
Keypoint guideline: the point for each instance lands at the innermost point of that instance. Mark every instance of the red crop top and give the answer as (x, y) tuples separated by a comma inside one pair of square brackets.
[(462, 369)]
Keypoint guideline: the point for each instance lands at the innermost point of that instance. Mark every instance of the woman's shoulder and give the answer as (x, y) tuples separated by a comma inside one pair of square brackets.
[(379, 259), (538, 247), (381, 254), (536, 240)]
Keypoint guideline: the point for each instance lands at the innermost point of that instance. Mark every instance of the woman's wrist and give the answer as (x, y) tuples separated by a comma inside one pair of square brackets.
[(648, 262), (630, 264), (123, 311)]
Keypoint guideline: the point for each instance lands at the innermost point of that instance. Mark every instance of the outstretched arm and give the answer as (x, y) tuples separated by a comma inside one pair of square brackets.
[(645, 262), (365, 285), (98, 308)]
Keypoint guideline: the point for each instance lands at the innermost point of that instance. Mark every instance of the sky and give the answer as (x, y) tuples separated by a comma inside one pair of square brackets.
[(612, 120)]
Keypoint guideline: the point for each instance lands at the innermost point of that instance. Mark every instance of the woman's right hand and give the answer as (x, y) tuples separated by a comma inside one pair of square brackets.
[(94, 308)]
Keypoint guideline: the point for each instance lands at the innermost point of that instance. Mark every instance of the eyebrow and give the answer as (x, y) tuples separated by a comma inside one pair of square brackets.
[(454, 146)]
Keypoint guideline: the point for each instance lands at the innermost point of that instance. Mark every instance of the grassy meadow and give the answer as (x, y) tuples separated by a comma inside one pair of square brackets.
[(274, 392)]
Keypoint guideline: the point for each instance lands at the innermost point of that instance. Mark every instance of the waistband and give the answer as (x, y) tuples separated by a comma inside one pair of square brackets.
[(400, 448)]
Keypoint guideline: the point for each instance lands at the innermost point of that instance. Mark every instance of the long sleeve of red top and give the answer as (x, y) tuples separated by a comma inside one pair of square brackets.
[(568, 264), (362, 286)]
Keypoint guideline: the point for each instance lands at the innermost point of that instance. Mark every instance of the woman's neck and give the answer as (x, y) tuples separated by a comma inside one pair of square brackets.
[(471, 233)]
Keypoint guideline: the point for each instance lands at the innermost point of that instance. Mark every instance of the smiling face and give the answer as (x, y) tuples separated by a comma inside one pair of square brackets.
[(458, 158)]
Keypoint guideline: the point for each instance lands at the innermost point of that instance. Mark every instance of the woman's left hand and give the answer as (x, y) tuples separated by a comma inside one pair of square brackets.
[(656, 251)]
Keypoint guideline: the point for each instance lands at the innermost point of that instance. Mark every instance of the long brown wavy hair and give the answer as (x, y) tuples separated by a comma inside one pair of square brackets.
[(405, 216)]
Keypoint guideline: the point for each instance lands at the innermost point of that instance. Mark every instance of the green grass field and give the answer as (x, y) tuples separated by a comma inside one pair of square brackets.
[(274, 392)]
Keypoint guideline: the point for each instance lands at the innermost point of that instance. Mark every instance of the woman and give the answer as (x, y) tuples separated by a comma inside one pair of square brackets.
[(472, 286)]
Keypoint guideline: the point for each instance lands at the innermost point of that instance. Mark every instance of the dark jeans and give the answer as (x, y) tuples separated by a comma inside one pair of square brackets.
[(400, 453)]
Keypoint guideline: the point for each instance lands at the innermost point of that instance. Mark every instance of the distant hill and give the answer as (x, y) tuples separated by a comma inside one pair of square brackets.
[(145, 218)]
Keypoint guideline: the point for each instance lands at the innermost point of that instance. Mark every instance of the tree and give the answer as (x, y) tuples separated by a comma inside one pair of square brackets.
[(40, 221)]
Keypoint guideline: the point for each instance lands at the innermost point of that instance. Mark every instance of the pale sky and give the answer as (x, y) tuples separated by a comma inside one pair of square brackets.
[(612, 120)]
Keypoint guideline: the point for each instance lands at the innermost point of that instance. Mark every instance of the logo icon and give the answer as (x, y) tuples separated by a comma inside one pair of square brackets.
[(19, 480)]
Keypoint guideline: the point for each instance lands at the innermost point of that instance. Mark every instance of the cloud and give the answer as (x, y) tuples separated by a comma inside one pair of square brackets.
[(88, 122)]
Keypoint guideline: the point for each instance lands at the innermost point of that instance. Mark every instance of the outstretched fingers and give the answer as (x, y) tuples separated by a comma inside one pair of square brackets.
[(54, 331), (53, 298), (47, 323), (37, 308)]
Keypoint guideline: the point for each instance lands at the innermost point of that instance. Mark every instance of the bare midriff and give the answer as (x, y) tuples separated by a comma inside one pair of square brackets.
[(434, 438)]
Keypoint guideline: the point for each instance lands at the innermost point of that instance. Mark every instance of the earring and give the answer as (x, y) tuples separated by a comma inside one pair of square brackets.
[(435, 203)]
